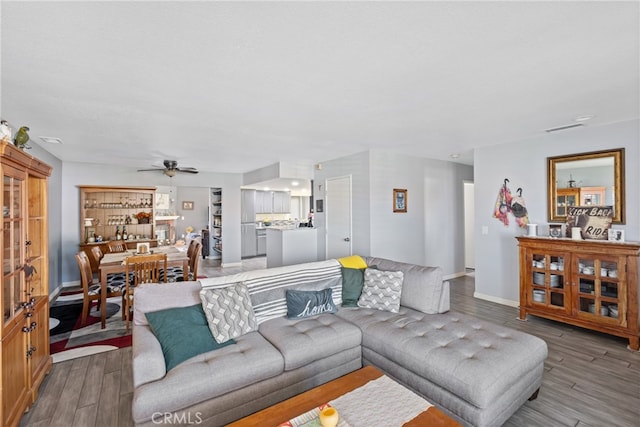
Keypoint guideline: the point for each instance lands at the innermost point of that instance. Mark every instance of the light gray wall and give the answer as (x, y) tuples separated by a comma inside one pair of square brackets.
[(524, 163), (196, 218), (76, 174), (432, 230)]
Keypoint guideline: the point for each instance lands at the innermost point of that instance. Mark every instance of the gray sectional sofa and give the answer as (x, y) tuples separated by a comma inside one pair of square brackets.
[(477, 372)]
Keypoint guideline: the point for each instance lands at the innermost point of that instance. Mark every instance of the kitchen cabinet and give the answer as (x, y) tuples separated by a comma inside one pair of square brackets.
[(588, 283), (24, 296), (281, 202), (276, 202), (248, 206), (261, 241), (248, 242), (264, 202)]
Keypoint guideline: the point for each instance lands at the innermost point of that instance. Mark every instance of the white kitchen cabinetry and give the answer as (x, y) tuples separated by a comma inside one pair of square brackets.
[(248, 211), (248, 235), (281, 202), (264, 202)]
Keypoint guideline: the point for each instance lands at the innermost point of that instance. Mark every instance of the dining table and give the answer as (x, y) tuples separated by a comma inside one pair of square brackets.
[(115, 263)]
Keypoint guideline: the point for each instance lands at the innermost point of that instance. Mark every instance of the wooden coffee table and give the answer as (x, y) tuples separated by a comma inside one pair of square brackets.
[(297, 405)]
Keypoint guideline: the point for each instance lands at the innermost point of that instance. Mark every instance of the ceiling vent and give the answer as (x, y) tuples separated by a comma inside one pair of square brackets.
[(51, 140), (565, 127)]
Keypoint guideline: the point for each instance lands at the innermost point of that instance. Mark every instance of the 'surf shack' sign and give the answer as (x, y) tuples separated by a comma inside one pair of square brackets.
[(595, 221)]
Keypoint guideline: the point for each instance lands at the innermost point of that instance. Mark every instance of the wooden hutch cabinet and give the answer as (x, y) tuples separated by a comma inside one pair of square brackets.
[(587, 283), (106, 211), (566, 197), (24, 333)]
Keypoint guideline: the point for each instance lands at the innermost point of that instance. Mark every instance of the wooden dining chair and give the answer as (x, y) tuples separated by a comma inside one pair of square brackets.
[(91, 288), (192, 245), (114, 280), (141, 269), (97, 254), (116, 246), (176, 274), (193, 261)]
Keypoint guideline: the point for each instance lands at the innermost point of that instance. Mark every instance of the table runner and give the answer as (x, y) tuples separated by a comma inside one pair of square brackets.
[(381, 403), (119, 257)]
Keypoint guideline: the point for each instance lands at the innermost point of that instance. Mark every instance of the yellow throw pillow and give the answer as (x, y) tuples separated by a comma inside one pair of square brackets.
[(353, 261)]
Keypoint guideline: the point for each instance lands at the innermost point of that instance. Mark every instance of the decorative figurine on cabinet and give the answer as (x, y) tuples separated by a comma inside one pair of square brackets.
[(22, 137), (5, 131)]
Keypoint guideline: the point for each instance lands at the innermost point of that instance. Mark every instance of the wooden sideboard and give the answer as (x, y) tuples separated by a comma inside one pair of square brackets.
[(588, 283)]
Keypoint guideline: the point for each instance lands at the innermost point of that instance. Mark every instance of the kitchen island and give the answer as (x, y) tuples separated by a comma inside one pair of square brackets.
[(287, 246)]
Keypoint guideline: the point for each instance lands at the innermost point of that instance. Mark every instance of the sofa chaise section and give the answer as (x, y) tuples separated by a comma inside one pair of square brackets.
[(477, 371)]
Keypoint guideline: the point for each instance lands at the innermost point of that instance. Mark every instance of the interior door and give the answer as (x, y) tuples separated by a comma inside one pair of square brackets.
[(338, 217)]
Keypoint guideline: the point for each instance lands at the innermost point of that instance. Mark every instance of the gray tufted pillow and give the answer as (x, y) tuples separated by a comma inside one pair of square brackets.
[(381, 290), (229, 311)]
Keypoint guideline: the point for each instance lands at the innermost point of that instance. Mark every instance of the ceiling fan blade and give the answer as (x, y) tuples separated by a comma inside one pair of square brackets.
[(187, 170), (148, 170)]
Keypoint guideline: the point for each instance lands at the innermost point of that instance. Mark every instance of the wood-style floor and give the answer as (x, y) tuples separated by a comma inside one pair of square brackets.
[(591, 379)]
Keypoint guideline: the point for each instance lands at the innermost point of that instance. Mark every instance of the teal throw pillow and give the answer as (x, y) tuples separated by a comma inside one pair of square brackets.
[(352, 284), (301, 304), (183, 332)]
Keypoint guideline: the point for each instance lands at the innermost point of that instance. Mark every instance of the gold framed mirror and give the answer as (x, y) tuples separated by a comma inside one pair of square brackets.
[(586, 179)]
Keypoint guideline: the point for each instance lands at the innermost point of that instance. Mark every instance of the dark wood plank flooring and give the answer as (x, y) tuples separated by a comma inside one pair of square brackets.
[(591, 379)]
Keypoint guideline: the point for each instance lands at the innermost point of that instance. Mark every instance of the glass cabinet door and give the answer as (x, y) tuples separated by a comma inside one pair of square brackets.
[(549, 280), (599, 290), (12, 244)]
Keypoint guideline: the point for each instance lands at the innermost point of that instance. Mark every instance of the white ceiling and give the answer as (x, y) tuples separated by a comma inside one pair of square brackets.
[(236, 86)]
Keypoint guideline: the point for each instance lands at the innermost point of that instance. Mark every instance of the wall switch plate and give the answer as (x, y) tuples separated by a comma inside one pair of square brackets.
[(485, 230)]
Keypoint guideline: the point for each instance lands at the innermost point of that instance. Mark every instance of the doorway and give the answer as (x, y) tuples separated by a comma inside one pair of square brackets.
[(469, 221), (338, 217)]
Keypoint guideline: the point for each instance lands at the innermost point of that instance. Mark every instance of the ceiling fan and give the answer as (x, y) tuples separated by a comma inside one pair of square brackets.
[(171, 168)]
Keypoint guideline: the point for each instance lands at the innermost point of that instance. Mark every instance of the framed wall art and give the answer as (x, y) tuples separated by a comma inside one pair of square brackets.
[(187, 206), (615, 235), (162, 201), (142, 248), (400, 200)]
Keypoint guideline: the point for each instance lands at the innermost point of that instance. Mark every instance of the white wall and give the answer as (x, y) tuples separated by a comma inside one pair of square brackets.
[(524, 164), (76, 174)]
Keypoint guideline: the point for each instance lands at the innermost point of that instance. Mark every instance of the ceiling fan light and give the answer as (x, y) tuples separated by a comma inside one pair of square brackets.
[(170, 173)]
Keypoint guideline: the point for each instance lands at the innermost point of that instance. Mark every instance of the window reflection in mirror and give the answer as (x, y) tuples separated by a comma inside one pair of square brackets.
[(586, 179)]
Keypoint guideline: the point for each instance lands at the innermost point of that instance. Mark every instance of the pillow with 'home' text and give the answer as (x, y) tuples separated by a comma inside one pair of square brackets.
[(301, 304)]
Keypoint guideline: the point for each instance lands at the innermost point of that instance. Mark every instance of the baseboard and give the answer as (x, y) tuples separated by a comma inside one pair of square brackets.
[(454, 275), (56, 292), (74, 284), (231, 264), (497, 300)]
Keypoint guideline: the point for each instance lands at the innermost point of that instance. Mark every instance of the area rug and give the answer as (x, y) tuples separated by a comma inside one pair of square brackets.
[(69, 340)]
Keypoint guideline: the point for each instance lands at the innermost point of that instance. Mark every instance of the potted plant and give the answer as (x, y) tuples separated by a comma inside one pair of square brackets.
[(143, 217)]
